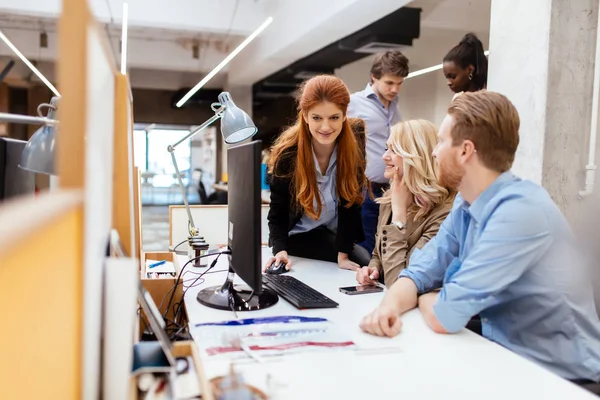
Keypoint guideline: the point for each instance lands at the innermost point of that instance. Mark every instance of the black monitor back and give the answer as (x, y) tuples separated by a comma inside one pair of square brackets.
[(14, 181), (244, 202)]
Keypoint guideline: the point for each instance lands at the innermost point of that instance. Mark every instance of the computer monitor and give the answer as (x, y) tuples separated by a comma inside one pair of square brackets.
[(244, 202), (14, 181)]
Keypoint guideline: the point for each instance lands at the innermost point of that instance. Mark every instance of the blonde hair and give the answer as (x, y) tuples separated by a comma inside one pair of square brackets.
[(414, 141)]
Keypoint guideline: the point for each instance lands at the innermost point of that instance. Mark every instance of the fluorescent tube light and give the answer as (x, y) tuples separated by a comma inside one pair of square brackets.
[(29, 64), (224, 62), (124, 40), (431, 69)]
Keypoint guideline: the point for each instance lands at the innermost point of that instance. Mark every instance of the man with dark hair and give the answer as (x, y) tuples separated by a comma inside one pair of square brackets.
[(505, 252), (377, 105)]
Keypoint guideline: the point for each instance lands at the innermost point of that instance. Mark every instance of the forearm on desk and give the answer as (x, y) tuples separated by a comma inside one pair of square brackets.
[(402, 296), (426, 303)]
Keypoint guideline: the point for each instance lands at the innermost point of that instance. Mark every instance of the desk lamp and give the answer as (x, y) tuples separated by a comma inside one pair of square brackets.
[(38, 155), (236, 126)]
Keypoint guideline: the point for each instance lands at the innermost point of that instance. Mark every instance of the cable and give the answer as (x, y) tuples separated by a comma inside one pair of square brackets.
[(164, 297), (179, 306), (193, 279), (178, 244), (230, 301), (212, 265), (181, 273), (233, 15)]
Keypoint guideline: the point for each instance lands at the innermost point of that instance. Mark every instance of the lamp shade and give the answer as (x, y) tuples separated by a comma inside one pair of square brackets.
[(38, 155), (236, 125)]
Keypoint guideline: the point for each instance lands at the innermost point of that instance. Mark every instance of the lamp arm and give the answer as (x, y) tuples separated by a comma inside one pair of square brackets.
[(192, 228), (218, 114), (171, 149), (26, 119)]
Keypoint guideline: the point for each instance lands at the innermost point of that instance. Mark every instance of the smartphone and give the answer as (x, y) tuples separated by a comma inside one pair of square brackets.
[(363, 289)]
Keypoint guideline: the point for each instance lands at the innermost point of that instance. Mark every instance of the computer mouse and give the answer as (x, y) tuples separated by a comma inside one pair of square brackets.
[(277, 269)]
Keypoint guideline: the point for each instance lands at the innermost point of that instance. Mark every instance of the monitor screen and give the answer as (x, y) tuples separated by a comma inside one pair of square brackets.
[(244, 201), (14, 181)]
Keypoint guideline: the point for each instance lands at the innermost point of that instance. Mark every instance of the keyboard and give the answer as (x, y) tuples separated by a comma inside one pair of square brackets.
[(298, 293)]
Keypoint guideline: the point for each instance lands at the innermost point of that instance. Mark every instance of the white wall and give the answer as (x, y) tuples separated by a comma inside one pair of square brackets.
[(425, 97)]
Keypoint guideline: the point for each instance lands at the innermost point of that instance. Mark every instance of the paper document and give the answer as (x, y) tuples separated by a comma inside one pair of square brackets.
[(270, 336)]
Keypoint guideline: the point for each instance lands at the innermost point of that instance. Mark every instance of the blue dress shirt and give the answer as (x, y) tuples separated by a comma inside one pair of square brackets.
[(378, 120), (328, 197), (511, 257)]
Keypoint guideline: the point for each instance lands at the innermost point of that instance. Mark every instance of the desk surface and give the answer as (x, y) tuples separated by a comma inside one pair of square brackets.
[(428, 365)]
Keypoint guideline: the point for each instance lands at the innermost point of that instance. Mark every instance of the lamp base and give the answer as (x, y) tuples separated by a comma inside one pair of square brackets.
[(197, 247), (230, 297)]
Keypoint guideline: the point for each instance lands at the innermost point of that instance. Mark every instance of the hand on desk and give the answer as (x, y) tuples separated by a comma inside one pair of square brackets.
[(384, 321), (282, 256), (345, 263), (367, 276)]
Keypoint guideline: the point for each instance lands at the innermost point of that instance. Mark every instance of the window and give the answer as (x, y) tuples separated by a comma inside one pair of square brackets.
[(159, 159), (139, 149)]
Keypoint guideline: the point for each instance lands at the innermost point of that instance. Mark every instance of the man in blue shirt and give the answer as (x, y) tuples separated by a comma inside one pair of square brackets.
[(505, 252), (377, 105)]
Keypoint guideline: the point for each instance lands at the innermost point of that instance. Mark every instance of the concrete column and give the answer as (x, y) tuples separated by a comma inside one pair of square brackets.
[(542, 55), (545, 66)]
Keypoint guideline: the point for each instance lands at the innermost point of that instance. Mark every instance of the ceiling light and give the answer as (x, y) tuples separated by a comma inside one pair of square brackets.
[(224, 62), (431, 69), (124, 39), (29, 64)]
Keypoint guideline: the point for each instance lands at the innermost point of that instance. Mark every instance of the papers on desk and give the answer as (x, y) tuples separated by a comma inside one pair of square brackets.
[(159, 269), (270, 336)]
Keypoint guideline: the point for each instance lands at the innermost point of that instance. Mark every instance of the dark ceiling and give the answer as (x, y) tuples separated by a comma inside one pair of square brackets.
[(392, 31)]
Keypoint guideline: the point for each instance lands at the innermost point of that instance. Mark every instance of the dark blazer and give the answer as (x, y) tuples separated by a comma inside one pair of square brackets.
[(282, 216)]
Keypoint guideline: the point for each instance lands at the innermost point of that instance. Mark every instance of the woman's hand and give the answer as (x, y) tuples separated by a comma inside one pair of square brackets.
[(282, 256), (402, 198), (367, 275), (345, 263)]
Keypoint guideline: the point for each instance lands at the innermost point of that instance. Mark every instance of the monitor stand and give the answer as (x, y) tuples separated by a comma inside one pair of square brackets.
[(235, 297)]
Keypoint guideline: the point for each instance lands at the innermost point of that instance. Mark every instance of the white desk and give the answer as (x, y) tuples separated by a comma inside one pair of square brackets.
[(429, 365)]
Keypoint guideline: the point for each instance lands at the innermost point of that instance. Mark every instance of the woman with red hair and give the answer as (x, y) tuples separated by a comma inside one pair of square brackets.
[(317, 169)]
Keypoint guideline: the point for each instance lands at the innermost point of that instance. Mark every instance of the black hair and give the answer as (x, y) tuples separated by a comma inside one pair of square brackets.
[(470, 52)]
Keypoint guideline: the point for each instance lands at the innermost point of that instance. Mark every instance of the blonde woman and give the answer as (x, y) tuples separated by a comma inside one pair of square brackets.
[(414, 207)]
